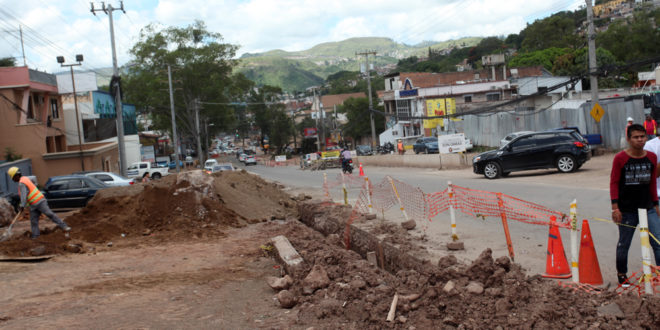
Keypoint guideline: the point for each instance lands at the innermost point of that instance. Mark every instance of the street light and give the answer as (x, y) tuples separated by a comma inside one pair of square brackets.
[(79, 58)]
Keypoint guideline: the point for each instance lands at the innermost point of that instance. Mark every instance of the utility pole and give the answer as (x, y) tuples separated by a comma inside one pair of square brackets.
[(199, 137), (593, 65), (79, 58), (20, 29), (116, 82), (318, 113), (174, 136), (371, 105)]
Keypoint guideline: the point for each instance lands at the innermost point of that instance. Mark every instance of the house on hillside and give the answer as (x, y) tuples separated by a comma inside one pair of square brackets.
[(409, 96), (33, 124)]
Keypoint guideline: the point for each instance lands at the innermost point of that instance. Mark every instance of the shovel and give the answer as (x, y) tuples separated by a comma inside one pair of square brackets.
[(7, 233)]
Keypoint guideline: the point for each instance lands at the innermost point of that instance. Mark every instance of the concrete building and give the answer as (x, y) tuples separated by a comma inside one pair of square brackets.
[(33, 125)]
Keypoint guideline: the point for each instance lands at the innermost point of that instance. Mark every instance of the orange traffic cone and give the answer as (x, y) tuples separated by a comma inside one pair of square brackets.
[(556, 265), (588, 266), (361, 171)]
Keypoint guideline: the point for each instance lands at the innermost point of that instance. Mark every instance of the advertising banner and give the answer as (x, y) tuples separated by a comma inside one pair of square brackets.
[(330, 154), (439, 107), (451, 143), (310, 132), (280, 158), (147, 154)]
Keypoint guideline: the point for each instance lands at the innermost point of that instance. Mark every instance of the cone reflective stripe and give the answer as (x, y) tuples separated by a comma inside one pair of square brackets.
[(556, 265), (589, 269), (361, 170)]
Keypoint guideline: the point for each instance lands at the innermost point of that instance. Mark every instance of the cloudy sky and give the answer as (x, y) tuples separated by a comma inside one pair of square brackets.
[(67, 27)]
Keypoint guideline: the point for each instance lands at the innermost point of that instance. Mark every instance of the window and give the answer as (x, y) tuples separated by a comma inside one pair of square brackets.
[(143, 165), (54, 110), (58, 185), (545, 140), (403, 109), (102, 177), (75, 184), (523, 143), (493, 97), (467, 98)]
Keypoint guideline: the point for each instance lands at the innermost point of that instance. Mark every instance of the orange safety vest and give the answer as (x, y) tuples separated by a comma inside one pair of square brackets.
[(400, 146), (34, 195), (646, 122)]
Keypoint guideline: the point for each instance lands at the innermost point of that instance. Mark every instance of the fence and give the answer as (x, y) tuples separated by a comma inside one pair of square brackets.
[(414, 203)]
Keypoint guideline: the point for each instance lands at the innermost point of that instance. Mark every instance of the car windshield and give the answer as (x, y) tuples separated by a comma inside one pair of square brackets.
[(133, 167)]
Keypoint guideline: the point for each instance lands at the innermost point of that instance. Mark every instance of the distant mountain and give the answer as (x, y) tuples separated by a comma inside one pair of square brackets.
[(295, 71)]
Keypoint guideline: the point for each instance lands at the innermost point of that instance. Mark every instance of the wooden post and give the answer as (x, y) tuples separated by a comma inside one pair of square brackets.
[(505, 225)]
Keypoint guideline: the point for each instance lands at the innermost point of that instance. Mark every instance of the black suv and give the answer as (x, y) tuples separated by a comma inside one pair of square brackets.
[(564, 149)]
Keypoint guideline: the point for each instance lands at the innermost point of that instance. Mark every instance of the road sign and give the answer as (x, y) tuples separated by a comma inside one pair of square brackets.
[(597, 112)]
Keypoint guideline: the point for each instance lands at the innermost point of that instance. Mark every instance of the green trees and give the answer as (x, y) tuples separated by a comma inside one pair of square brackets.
[(271, 117), (7, 61), (359, 123), (201, 72)]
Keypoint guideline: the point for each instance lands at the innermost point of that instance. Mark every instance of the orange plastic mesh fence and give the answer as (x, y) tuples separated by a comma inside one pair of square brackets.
[(438, 202), (588, 288), (486, 204), (413, 200), (360, 207), (383, 197)]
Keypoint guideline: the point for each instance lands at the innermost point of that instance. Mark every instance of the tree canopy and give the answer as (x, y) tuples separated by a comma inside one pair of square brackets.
[(201, 72), (7, 61)]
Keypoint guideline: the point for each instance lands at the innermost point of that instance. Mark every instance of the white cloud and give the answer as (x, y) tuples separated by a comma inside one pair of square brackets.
[(66, 27)]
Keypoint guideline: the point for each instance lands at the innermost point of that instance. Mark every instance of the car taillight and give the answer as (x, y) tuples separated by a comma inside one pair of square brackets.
[(131, 182), (578, 144)]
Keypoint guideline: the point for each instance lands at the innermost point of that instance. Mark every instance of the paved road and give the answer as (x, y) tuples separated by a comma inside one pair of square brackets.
[(548, 187)]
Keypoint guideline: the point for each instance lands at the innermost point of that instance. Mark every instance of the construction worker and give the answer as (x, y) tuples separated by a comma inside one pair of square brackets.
[(651, 127), (30, 195), (399, 147)]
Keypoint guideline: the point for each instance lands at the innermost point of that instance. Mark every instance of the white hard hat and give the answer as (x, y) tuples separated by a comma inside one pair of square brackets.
[(630, 119)]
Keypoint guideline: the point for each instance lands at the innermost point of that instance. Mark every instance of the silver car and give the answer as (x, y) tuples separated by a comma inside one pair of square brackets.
[(512, 136), (110, 179)]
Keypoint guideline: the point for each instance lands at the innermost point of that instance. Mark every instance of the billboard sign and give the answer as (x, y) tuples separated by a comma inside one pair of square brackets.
[(310, 132), (451, 143)]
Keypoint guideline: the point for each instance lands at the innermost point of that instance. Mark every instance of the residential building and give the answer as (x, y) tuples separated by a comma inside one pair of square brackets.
[(34, 126)]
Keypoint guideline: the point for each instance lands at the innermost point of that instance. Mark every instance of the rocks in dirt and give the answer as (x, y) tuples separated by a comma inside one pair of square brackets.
[(447, 261), (316, 279), (357, 283), (611, 309), (449, 287), (371, 258), (409, 225), (455, 246), (370, 216), (73, 248), (6, 212), (38, 251), (286, 299), (288, 254), (475, 288), (482, 267), (279, 283)]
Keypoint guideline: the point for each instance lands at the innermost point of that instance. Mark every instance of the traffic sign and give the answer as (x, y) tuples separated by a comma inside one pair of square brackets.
[(597, 112)]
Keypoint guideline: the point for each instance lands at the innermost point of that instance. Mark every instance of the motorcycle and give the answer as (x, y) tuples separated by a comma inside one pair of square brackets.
[(386, 148), (347, 166)]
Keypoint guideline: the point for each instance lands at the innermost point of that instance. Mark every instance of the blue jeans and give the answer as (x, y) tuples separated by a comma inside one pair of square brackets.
[(626, 235)]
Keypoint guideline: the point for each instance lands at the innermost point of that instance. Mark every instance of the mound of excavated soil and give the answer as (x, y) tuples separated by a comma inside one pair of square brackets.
[(192, 205), (339, 289)]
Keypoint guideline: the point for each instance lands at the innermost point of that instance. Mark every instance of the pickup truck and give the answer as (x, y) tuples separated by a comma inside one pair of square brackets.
[(140, 169)]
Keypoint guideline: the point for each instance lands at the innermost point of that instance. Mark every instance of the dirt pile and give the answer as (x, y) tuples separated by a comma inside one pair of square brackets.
[(192, 205), (6, 212), (339, 289)]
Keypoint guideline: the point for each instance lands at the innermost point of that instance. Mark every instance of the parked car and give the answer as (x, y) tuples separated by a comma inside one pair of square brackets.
[(208, 165), (364, 150), (565, 150), (189, 160), (172, 165), (110, 179), (68, 191), (250, 160), (241, 157), (220, 168), (512, 136), (141, 169), (426, 145)]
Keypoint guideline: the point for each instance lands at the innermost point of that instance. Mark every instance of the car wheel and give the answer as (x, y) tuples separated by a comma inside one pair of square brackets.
[(155, 176), (492, 170), (505, 174), (416, 151), (426, 150), (566, 164)]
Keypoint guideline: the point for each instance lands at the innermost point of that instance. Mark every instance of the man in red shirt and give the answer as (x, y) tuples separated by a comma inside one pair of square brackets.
[(651, 127), (632, 187)]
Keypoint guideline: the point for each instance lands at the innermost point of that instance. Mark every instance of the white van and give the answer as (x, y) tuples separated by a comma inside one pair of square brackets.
[(208, 165)]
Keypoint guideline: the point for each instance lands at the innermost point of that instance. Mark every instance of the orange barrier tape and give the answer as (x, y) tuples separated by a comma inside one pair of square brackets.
[(588, 288)]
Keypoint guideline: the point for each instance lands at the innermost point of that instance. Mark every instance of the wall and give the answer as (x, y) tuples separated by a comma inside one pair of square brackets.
[(489, 130)]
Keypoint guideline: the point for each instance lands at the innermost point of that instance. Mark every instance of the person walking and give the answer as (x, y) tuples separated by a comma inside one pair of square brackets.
[(399, 147), (31, 196), (651, 127), (633, 186)]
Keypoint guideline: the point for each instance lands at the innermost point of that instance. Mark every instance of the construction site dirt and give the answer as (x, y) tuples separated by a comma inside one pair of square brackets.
[(194, 251)]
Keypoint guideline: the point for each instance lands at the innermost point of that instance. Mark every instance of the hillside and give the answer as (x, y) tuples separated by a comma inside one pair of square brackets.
[(295, 71)]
